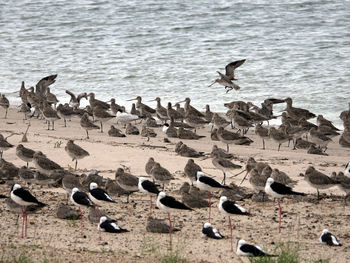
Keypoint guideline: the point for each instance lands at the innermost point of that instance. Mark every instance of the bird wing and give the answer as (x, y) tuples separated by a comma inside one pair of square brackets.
[(232, 208), (83, 198), (25, 195), (230, 68), (101, 194), (173, 203), (253, 250), (151, 187)]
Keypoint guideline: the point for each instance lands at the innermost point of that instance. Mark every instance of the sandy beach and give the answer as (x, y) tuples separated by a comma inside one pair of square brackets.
[(57, 240)]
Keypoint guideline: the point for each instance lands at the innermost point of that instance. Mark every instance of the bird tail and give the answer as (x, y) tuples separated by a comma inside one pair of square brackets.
[(298, 193), (40, 204)]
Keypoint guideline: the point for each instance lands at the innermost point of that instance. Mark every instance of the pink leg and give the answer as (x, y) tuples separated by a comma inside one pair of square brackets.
[(150, 208), (280, 211), (99, 217), (209, 197), (170, 229), (81, 222), (229, 218), (22, 236), (25, 216)]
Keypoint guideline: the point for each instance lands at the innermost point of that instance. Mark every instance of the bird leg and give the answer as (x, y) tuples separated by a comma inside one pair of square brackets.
[(65, 123), (170, 230), (81, 222), (318, 194), (87, 134), (279, 146), (227, 147), (22, 236), (230, 225), (223, 181), (25, 216), (280, 211), (76, 164), (263, 144), (6, 114), (48, 125), (209, 197), (101, 127), (53, 125), (150, 208)]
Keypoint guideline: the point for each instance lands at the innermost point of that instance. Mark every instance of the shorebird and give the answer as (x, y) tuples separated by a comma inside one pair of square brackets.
[(321, 121), (43, 84), (126, 181), (149, 165), (125, 118), (169, 204), (101, 115), (208, 114), (347, 170), (86, 124), (282, 178), (315, 150), (302, 144), (179, 109), (278, 191), (148, 187), (297, 113), (344, 181), (50, 115), (110, 226), (4, 145), (191, 170), (278, 136), (187, 134), (209, 232), (45, 165), (193, 196), (224, 165), (206, 183), (131, 129), (327, 238), (24, 198), (65, 112), (227, 137), (51, 98), (25, 174), (161, 112), (114, 132), (75, 101), (226, 80), (4, 103), (148, 132), (80, 199), (219, 121), (169, 130), (318, 180), (216, 151), (151, 122), (98, 196), (143, 108), (195, 121), (230, 208), (75, 152), (161, 174), (258, 180), (262, 132), (174, 114), (186, 151), (70, 181), (190, 110), (248, 250), (115, 107), (97, 103), (8, 171), (319, 138)]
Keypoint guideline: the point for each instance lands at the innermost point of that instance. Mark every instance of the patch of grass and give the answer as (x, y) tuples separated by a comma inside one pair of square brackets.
[(22, 258), (286, 254), (173, 257), (31, 246)]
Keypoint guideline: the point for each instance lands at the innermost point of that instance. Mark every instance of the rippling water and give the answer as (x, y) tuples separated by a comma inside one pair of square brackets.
[(173, 49)]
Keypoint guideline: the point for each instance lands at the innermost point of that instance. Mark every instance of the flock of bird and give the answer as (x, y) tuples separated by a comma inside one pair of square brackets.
[(181, 123)]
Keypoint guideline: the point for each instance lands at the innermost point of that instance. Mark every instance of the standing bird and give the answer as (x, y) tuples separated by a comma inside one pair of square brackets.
[(206, 183), (191, 170), (75, 101), (126, 181), (101, 115), (278, 191), (224, 165), (98, 196), (75, 152), (124, 117), (297, 113), (262, 132), (110, 226), (86, 124), (24, 198), (226, 80), (248, 250), (169, 204), (4, 102), (209, 232), (161, 174), (80, 199), (227, 137), (148, 187), (329, 239), (230, 208)]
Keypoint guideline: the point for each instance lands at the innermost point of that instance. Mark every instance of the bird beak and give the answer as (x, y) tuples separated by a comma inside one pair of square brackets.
[(132, 99), (212, 83), (151, 100), (180, 102)]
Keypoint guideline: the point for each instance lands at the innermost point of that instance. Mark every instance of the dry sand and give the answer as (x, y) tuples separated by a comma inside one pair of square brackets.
[(59, 240)]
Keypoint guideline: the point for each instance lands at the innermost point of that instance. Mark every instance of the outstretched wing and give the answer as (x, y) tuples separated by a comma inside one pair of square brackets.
[(230, 68)]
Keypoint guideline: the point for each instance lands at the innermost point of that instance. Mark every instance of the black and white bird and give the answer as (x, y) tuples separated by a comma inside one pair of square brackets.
[(329, 239), (278, 190), (148, 187), (230, 208), (206, 183), (169, 204), (347, 170), (248, 250), (98, 196), (80, 199), (110, 226), (24, 198), (209, 232)]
